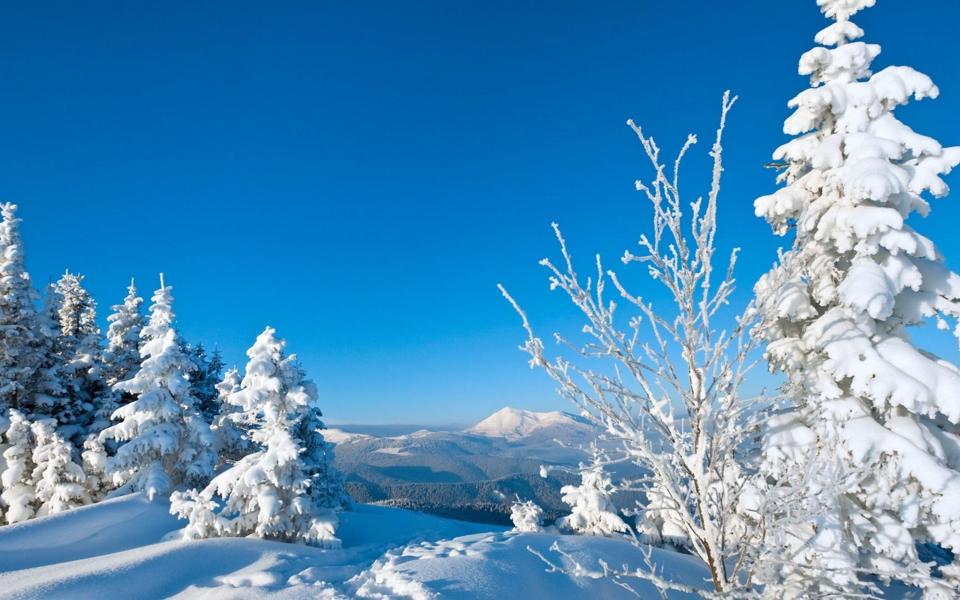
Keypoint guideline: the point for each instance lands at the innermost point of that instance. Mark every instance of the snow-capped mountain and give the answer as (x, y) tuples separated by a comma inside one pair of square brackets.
[(463, 470), (516, 424)]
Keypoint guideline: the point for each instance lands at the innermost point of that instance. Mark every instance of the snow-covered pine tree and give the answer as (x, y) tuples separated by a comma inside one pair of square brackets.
[(657, 523), (592, 509), (94, 457), (59, 484), (326, 485), (526, 516), (204, 380), (167, 443), (840, 327), (20, 338), (19, 497), (79, 349), (51, 395), (272, 493), (122, 355), (232, 437)]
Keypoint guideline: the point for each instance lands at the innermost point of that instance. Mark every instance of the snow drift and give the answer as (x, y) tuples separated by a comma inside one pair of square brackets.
[(131, 547)]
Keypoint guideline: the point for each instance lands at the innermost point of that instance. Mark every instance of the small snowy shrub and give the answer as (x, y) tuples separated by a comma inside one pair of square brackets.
[(592, 513), (527, 517)]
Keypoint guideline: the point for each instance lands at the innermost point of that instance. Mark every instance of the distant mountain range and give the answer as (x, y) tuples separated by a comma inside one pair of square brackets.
[(470, 474)]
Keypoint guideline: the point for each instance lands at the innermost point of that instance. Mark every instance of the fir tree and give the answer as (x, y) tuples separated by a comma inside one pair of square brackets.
[(51, 392), (233, 438), (19, 496), (276, 492), (122, 355), (593, 512), (326, 485), (79, 349), (168, 444), (94, 457), (59, 484), (838, 312), (20, 338), (204, 380)]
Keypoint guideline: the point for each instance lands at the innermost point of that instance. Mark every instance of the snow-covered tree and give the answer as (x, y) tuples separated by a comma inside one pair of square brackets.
[(78, 351), (121, 358), (59, 484), (657, 524), (122, 355), (666, 385), (167, 443), (276, 492), (526, 516), (20, 338), (326, 484), (232, 438), (51, 394), (839, 308), (204, 380), (19, 496), (592, 510), (94, 457)]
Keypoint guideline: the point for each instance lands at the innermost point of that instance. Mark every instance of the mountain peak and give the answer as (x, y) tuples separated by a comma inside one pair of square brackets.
[(516, 423)]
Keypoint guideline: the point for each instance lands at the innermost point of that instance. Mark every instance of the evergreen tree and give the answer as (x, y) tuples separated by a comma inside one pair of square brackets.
[(19, 496), (121, 358), (20, 338), (593, 512), (51, 393), (122, 355), (79, 349), (94, 458), (838, 312), (204, 380), (168, 444), (326, 485), (232, 437), (59, 484), (276, 492)]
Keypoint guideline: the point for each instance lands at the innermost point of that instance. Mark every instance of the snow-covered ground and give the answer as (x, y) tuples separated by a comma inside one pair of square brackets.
[(130, 548)]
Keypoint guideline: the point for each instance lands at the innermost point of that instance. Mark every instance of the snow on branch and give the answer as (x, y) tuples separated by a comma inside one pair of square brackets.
[(667, 386)]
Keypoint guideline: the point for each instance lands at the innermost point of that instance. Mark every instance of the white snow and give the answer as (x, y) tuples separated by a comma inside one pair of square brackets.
[(393, 451), (339, 436), (515, 423), (129, 547)]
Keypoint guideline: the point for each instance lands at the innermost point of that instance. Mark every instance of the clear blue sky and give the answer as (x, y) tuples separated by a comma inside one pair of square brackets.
[(361, 174)]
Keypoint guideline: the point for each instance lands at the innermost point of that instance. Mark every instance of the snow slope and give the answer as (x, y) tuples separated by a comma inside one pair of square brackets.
[(129, 547)]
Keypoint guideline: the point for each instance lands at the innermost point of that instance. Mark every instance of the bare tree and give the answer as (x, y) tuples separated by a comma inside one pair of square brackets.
[(668, 387)]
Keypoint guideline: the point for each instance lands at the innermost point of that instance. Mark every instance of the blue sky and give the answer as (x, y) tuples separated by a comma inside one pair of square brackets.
[(361, 174)]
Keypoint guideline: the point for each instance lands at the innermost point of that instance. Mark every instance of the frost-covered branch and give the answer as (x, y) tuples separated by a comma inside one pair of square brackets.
[(668, 386)]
